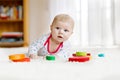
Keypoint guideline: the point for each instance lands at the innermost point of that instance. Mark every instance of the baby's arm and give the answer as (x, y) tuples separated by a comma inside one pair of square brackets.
[(34, 48), (33, 56), (36, 45)]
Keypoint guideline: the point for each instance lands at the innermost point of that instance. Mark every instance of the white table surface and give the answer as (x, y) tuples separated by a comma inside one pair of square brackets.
[(106, 68)]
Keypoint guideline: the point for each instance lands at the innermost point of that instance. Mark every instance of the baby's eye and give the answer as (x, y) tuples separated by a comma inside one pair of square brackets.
[(57, 28), (66, 30)]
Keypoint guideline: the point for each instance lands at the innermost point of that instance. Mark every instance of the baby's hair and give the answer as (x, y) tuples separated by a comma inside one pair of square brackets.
[(63, 18)]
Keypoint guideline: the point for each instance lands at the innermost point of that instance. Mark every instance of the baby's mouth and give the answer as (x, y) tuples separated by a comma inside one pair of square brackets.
[(60, 37)]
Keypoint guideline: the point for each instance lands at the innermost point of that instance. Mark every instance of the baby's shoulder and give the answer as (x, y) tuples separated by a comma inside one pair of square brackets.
[(44, 36), (66, 44)]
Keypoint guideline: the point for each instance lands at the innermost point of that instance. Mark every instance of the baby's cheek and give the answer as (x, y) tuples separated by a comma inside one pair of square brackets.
[(66, 38)]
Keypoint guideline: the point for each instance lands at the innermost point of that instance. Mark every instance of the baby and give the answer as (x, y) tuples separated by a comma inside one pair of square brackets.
[(56, 42)]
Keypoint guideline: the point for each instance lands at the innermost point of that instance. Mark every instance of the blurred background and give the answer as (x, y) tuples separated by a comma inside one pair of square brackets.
[(97, 22)]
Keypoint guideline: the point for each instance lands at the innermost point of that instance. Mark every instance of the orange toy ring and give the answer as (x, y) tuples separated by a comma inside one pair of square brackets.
[(16, 56), (22, 60)]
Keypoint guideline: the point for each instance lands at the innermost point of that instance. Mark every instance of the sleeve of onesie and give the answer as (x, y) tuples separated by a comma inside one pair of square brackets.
[(36, 45)]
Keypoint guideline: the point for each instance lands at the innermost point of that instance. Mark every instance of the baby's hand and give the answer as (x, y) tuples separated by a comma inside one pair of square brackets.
[(32, 56)]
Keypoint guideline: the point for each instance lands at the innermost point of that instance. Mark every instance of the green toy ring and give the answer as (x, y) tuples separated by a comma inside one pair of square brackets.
[(81, 53), (50, 57)]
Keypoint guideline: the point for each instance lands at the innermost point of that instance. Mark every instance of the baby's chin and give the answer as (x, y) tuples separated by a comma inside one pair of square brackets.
[(60, 41)]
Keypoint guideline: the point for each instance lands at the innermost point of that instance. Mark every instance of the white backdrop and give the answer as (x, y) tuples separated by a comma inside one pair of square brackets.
[(97, 22)]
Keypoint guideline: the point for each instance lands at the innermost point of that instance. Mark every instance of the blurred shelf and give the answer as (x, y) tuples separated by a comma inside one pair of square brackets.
[(12, 44), (9, 20), (14, 18)]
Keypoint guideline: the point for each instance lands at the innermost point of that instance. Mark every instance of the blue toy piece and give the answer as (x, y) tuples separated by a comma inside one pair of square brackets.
[(101, 55)]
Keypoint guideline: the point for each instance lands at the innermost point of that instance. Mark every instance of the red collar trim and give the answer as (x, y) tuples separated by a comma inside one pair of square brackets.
[(48, 46)]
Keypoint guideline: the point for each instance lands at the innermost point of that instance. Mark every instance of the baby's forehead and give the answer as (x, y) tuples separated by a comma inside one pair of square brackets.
[(65, 24), (62, 23)]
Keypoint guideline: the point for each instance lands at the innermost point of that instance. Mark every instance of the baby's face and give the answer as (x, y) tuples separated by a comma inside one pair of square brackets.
[(61, 31)]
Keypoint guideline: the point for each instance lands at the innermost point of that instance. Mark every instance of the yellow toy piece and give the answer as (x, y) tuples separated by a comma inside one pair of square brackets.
[(16, 56), (81, 54)]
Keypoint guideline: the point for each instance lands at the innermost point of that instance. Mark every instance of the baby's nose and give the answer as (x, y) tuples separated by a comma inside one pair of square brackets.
[(61, 31)]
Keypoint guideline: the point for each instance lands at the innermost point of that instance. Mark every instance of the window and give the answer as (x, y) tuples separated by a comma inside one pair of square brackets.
[(96, 21)]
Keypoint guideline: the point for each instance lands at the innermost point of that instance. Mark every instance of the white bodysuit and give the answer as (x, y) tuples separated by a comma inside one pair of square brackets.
[(40, 47)]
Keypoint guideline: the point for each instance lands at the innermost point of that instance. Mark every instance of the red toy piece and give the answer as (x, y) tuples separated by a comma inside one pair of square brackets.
[(79, 59), (74, 55), (22, 60), (88, 54)]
